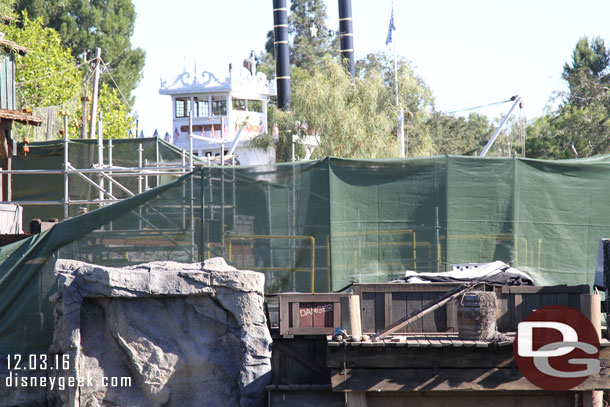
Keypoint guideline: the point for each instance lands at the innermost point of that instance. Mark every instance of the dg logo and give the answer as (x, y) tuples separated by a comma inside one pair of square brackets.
[(557, 348)]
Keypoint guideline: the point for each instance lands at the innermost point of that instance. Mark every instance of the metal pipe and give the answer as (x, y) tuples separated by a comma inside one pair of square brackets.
[(66, 202), (110, 146), (96, 83), (100, 154), (347, 35), (438, 243), (517, 100), (191, 137), (140, 150), (282, 53), (83, 128), (157, 159)]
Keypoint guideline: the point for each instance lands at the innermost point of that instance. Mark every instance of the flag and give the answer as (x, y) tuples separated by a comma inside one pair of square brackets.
[(167, 136), (176, 134), (213, 132), (156, 133), (141, 134), (391, 28)]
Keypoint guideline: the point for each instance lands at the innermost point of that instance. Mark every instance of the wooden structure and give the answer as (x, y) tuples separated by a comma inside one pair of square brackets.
[(309, 314), (427, 364), (385, 303)]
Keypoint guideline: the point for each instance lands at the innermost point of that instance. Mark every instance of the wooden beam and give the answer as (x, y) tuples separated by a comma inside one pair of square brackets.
[(417, 357), (299, 358), (355, 399), (590, 305), (350, 316), (400, 380)]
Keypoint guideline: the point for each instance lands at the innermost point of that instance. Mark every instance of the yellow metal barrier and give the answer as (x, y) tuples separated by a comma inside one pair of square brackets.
[(311, 239)]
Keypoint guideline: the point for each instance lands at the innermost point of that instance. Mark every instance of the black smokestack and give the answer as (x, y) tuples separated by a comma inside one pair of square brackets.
[(346, 30), (282, 56)]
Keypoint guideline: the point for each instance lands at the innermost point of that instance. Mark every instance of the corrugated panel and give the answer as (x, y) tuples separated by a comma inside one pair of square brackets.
[(3, 97), (7, 82), (10, 82)]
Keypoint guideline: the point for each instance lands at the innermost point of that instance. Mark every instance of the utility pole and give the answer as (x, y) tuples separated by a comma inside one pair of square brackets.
[(96, 80), (83, 127)]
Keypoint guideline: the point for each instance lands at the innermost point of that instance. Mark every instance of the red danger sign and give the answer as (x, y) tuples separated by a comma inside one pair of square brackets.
[(557, 348)]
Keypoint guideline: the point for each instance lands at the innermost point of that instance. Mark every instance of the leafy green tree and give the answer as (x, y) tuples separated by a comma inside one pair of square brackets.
[(7, 11), (85, 25), (311, 38), (588, 74), (47, 75), (580, 127), (348, 118), (458, 135), (116, 120)]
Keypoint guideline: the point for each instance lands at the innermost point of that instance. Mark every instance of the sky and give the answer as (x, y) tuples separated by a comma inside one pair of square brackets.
[(469, 52)]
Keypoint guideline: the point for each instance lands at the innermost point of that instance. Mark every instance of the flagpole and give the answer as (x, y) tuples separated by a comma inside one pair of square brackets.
[(401, 133)]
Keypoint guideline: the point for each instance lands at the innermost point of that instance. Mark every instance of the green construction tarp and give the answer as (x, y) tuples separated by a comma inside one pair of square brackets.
[(320, 225)]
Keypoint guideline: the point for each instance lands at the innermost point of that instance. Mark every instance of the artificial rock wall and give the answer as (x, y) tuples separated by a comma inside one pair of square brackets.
[(181, 334)]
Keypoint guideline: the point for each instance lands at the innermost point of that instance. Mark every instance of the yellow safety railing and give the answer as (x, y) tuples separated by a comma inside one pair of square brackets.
[(311, 239)]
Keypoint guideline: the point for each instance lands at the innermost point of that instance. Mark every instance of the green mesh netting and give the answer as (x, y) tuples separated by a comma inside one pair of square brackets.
[(321, 225)]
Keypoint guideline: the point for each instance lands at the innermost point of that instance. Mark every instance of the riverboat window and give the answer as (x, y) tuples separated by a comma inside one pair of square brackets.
[(239, 104), (219, 107), (183, 106), (202, 108)]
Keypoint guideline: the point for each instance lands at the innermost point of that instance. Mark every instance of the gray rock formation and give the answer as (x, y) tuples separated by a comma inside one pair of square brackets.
[(161, 334)]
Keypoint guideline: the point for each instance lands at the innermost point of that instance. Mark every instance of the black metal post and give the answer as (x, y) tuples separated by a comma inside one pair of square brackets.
[(346, 30), (282, 53)]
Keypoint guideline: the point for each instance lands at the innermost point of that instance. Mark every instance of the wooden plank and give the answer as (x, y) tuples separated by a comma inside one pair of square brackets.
[(457, 342), (387, 315), (548, 299), (464, 399), (337, 314), (296, 317), (305, 318), (531, 303), (400, 380), (314, 397), (563, 299), (413, 304), (355, 399), (399, 308), (393, 287), (422, 341), (284, 318), (468, 343), (434, 341), (434, 321), (574, 301), (412, 343), (451, 315), (577, 289), (504, 314), (322, 314), (445, 341), (379, 311), (367, 304), (518, 311), (300, 297)]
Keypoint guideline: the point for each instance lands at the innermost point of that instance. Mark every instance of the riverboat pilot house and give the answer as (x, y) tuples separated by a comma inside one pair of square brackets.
[(222, 110)]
